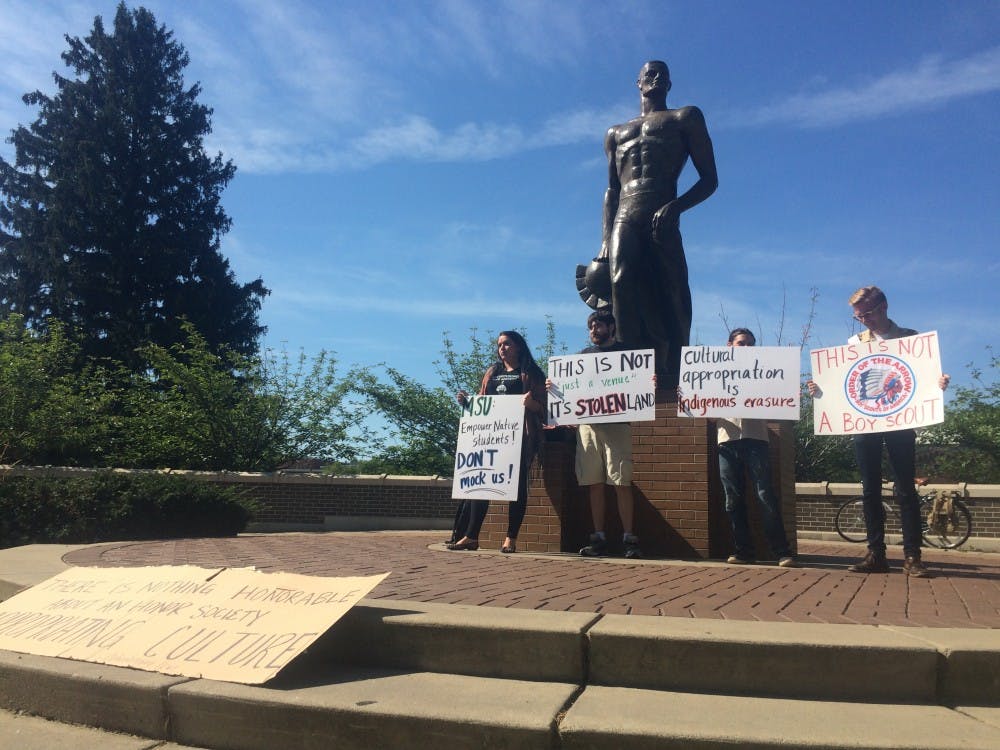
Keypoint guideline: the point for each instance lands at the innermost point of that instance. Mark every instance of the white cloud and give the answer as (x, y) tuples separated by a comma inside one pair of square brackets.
[(307, 87), (931, 83), (467, 308)]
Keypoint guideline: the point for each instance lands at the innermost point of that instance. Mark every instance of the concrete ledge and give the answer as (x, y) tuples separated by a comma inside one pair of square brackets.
[(367, 709), (854, 662), (20, 732), (114, 698), (455, 639), (29, 564), (969, 668), (986, 714), (650, 720)]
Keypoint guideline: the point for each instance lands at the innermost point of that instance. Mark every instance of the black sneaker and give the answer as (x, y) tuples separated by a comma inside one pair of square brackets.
[(598, 547), (632, 550)]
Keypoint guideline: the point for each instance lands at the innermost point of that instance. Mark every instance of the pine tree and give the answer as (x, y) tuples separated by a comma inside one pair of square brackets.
[(110, 217)]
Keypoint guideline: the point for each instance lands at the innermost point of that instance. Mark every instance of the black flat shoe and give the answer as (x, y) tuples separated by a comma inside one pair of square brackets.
[(472, 545), (509, 549)]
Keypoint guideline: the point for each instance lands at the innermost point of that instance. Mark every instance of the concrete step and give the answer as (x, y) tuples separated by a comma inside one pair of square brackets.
[(793, 660), (23, 732), (630, 719), (371, 708), (358, 708), (404, 674)]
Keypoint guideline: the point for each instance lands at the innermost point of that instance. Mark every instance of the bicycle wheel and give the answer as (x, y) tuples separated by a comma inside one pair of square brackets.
[(850, 520), (946, 532)]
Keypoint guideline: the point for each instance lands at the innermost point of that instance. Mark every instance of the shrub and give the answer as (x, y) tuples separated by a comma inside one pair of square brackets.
[(110, 506)]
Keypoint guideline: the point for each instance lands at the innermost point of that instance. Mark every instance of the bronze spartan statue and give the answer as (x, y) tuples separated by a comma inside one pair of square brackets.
[(641, 272)]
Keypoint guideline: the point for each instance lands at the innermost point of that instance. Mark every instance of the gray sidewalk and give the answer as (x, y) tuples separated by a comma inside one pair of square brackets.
[(481, 649)]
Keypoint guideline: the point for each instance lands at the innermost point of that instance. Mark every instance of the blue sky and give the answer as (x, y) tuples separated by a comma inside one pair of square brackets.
[(410, 168)]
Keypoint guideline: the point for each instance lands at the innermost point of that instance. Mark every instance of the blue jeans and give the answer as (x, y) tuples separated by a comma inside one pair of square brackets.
[(734, 455), (899, 445)]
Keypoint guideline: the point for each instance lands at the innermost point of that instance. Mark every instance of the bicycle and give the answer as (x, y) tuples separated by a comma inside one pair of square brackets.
[(945, 521)]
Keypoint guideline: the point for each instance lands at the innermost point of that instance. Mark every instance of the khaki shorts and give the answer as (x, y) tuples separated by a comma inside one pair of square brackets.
[(604, 454)]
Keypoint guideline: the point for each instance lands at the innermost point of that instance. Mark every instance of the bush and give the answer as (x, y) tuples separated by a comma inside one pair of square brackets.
[(108, 506), (966, 446)]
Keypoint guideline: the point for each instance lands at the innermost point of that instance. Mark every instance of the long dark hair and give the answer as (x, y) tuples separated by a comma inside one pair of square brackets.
[(524, 358), (741, 332)]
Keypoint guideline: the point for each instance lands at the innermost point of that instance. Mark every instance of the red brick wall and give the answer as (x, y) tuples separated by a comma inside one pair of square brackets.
[(818, 502), (672, 509), (679, 508)]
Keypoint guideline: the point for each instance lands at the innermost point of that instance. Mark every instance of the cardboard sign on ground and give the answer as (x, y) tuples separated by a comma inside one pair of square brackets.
[(238, 625)]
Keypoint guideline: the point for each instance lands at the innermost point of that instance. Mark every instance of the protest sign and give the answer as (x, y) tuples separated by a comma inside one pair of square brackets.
[(613, 386), (233, 624), (758, 382), (877, 386), (488, 455)]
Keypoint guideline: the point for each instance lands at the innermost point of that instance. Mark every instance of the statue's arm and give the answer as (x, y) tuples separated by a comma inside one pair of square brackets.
[(702, 156), (613, 193), (699, 146)]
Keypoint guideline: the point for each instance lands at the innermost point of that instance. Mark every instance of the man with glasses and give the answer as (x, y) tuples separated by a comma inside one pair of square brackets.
[(871, 309)]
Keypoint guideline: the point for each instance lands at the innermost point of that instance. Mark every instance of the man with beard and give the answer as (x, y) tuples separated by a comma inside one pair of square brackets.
[(604, 455)]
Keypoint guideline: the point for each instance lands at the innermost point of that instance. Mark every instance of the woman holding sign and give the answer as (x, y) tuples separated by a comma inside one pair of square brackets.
[(514, 373)]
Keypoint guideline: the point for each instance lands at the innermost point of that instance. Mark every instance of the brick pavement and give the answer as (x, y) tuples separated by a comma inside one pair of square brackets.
[(964, 594)]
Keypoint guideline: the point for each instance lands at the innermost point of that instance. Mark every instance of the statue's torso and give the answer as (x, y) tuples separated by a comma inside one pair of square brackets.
[(650, 152)]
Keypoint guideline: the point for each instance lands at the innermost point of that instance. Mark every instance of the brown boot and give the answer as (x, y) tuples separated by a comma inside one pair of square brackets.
[(913, 567), (873, 562)]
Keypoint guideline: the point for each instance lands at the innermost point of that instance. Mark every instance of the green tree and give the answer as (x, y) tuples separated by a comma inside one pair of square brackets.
[(966, 446), (821, 458), (424, 419), (194, 408), (199, 409), (110, 217), (53, 410)]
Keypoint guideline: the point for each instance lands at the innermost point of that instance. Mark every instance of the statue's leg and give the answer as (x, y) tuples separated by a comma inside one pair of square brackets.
[(677, 309), (624, 257)]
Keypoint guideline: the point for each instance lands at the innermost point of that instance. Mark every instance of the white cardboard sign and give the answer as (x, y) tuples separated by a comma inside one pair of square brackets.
[(488, 454), (877, 386), (233, 624), (759, 382), (602, 387)]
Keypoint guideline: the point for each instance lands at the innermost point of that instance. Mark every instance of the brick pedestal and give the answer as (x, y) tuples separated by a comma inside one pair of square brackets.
[(679, 504)]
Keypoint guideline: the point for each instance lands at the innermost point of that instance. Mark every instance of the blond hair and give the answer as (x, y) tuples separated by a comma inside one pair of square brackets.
[(867, 294)]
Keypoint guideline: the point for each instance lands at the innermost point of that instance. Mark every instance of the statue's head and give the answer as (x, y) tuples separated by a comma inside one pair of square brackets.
[(654, 78)]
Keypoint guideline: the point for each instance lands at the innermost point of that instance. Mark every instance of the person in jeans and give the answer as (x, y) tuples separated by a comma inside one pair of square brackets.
[(743, 446), (871, 309)]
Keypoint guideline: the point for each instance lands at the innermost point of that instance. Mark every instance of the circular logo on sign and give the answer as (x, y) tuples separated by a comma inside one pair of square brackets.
[(879, 385)]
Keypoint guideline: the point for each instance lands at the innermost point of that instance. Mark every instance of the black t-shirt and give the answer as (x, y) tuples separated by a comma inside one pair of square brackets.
[(617, 346), (505, 382)]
